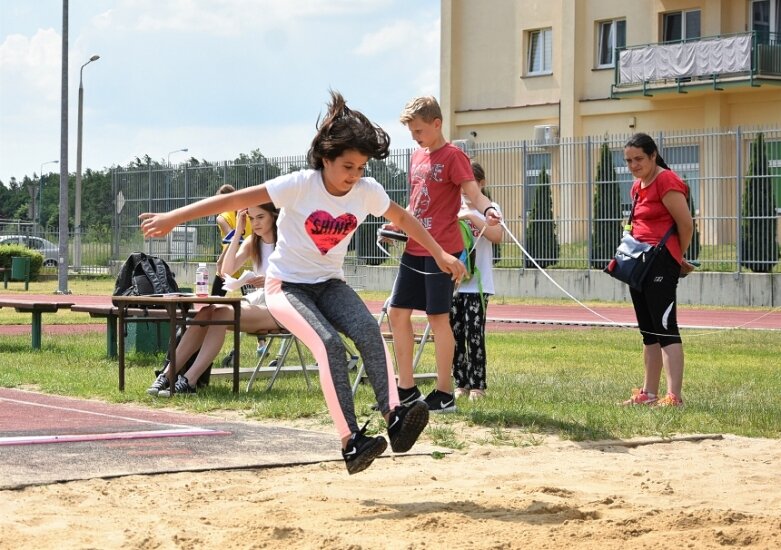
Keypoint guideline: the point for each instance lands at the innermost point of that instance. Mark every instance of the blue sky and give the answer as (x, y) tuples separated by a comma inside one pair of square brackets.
[(219, 77)]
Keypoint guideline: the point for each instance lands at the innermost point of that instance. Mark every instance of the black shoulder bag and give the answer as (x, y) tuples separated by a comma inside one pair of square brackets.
[(633, 258)]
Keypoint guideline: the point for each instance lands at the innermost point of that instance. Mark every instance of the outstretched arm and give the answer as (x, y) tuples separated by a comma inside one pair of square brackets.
[(411, 226), (161, 223)]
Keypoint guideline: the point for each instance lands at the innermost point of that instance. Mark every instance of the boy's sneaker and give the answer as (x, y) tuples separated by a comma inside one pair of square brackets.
[(640, 397), (441, 402), (405, 424), (181, 386), (669, 400), (361, 451), (160, 383)]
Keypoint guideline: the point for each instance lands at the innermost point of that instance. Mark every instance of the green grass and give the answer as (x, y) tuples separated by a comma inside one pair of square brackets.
[(563, 382)]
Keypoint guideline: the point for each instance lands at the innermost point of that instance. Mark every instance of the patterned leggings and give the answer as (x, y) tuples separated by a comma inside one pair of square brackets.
[(467, 319), (316, 314)]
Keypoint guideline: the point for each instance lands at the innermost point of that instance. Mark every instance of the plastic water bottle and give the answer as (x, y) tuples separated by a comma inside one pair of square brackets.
[(202, 280)]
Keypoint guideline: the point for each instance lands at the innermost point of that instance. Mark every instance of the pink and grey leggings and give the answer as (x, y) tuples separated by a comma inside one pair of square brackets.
[(316, 314)]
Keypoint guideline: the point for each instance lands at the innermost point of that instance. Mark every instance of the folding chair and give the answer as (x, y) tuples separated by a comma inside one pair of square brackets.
[(288, 341), (418, 354)]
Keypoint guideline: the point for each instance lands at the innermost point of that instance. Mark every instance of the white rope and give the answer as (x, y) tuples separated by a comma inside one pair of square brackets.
[(610, 321)]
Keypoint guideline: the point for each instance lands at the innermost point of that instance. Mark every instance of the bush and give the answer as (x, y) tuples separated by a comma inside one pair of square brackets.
[(758, 245), (8, 251), (606, 232), (542, 243)]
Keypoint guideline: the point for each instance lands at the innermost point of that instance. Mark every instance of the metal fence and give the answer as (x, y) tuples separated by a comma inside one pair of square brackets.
[(563, 232)]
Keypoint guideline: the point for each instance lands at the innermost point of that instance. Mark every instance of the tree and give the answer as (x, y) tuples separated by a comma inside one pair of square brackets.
[(606, 230), (542, 243), (758, 245), (96, 195)]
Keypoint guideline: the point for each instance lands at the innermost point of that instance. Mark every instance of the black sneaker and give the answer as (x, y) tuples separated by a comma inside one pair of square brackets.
[(362, 450), (405, 424), (441, 402), (181, 386), (160, 383), (407, 396)]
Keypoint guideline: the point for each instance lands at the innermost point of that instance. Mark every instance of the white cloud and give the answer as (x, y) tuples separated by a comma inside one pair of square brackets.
[(260, 86), (228, 17), (34, 62)]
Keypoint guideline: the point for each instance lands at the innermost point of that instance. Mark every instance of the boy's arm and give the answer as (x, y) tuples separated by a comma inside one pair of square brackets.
[(155, 225), (481, 202), (411, 226), (493, 233)]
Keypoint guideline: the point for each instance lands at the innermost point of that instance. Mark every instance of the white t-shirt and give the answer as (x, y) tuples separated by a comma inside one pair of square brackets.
[(314, 227), (484, 262), (256, 297)]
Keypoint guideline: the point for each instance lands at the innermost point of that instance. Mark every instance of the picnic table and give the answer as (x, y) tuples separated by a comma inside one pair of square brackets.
[(111, 314), (37, 309), (176, 306)]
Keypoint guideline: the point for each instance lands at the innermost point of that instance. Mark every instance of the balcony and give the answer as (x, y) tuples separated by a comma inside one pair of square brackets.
[(717, 62)]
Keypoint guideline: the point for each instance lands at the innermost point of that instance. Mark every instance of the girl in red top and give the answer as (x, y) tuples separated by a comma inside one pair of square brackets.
[(661, 200)]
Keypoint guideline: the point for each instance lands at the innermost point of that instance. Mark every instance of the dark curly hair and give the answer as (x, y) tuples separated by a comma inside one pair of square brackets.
[(343, 129)]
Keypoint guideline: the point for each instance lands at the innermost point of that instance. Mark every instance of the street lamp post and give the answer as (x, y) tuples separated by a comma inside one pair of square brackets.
[(177, 151), (77, 215), (40, 192)]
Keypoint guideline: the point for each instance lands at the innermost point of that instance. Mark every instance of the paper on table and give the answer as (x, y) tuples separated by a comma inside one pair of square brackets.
[(235, 284)]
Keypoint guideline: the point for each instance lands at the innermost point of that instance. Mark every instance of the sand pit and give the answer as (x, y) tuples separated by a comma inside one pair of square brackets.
[(531, 492)]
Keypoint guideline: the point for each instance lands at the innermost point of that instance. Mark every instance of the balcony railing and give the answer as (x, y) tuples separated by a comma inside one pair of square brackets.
[(752, 59)]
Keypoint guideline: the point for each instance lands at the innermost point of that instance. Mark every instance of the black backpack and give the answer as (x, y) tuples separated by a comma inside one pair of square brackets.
[(142, 275)]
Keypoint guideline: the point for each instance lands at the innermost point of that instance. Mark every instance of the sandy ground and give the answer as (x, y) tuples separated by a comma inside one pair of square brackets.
[(508, 490)]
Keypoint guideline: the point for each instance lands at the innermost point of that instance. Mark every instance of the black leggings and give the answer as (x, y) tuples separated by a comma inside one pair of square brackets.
[(655, 305)]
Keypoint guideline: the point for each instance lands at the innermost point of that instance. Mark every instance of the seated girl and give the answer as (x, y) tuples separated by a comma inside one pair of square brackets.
[(207, 341)]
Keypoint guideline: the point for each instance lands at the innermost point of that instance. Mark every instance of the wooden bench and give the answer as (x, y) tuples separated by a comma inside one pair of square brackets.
[(37, 309)]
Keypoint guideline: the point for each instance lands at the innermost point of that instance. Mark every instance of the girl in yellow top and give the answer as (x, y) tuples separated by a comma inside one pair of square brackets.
[(226, 222)]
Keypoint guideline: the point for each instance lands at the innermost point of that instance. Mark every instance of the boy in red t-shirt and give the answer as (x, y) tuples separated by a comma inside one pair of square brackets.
[(439, 173)]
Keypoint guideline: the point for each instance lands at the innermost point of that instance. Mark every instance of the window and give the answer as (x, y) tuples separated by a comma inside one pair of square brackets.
[(612, 35), (684, 160), (774, 164), (540, 52), (681, 26), (624, 179), (766, 20), (536, 163)]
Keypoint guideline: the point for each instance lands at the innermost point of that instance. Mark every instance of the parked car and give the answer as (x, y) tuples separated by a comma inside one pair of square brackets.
[(48, 249)]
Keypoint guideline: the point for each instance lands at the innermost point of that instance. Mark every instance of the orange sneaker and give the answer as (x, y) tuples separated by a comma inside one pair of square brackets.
[(640, 397), (669, 400)]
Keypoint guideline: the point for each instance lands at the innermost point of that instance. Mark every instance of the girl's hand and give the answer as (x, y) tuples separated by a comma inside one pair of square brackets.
[(241, 222), (451, 265), (493, 216), (154, 225), (686, 268), (387, 227), (257, 282)]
